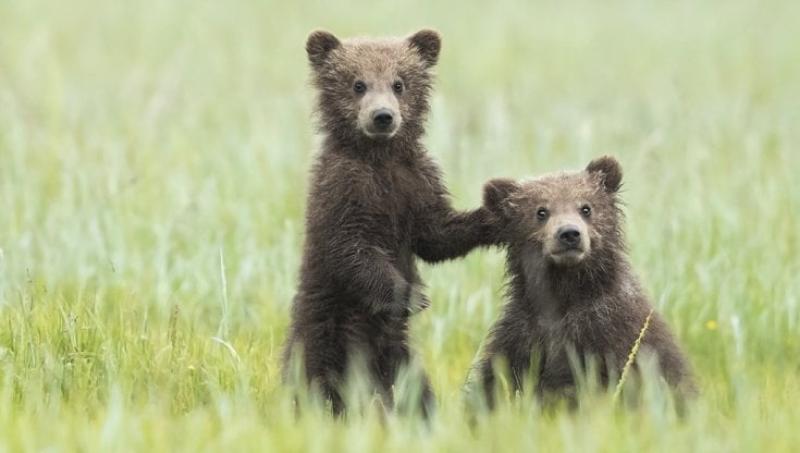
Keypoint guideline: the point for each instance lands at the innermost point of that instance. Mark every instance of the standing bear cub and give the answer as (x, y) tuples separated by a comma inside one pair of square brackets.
[(376, 203), (572, 294)]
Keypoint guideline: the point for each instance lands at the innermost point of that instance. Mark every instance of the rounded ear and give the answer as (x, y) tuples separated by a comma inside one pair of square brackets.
[(428, 44), (609, 170), (496, 195), (319, 44)]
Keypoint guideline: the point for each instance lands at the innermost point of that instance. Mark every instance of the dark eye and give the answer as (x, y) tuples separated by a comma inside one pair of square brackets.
[(359, 86), (398, 87), (586, 210), (542, 213)]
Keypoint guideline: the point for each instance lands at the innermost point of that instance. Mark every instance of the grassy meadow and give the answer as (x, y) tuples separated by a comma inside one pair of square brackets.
[(153, 168)]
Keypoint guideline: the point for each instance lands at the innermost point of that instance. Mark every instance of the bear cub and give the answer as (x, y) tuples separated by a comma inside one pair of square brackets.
[(571, 293), (376, 203)]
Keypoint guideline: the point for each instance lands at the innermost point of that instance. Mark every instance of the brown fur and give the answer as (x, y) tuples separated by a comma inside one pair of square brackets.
[(375, 205), (585, 299)]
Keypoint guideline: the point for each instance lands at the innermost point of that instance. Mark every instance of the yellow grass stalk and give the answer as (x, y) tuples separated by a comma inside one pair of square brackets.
[(631, 357)]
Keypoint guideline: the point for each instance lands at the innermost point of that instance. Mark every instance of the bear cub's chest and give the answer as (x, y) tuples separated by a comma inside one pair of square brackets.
[(401, 188)]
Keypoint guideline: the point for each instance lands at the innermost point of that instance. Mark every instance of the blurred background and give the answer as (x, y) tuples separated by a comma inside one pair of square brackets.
[(153, 167)]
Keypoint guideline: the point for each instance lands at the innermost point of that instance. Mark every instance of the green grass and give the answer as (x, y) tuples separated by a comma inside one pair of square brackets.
[(141, 142)]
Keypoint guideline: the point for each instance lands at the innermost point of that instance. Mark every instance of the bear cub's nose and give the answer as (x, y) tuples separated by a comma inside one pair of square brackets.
[(382, 118), (569, 235)]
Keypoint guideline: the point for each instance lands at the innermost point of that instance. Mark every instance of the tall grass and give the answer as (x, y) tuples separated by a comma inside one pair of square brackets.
[(153, 161)]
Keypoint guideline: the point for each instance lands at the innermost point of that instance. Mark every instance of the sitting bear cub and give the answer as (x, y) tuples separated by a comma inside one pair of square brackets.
[(571, 287)]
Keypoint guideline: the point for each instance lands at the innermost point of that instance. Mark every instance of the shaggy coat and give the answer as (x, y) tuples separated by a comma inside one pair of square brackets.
[(375, 204), (583, 298)]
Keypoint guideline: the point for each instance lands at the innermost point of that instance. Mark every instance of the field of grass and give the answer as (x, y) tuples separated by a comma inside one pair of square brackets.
[(153, 162)]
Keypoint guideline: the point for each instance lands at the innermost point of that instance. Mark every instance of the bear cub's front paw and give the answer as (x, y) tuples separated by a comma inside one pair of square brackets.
[(417, 300), (498, 206), (409, 299)]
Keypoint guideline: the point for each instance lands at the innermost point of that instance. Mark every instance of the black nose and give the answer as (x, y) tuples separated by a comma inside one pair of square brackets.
[(382, 118), (569, 235)]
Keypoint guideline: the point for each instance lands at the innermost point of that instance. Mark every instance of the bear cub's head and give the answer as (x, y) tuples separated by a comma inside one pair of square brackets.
[(566, 218), (373, 88)]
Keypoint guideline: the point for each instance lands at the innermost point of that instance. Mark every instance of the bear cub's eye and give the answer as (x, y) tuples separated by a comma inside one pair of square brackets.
[(398, 87), (542, 213), (586, 210), (359, 87)]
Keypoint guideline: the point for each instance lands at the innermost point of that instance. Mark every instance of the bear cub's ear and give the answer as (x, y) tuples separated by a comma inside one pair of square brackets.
[(428, 44), (609, 170), (496, 195), (318, 45)]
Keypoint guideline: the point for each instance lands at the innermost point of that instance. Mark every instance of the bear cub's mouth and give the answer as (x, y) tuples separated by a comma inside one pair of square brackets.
[(568, 256), (380, 135)]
